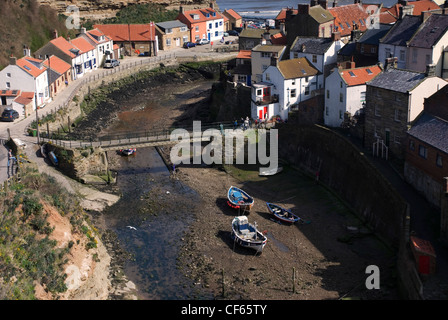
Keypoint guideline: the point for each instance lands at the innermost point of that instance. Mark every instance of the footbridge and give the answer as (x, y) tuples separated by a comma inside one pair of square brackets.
[(138, 139)]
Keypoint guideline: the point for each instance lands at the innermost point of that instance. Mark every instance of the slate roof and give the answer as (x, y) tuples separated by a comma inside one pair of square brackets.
[(432, 130), (430, 31), (296, 68), (311, 45), (402, 31), (256, 33), (170, 24), (397, 80), (373, 36)]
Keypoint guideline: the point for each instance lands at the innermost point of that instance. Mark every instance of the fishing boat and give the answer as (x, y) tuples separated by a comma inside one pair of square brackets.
[(269, 172), (284, 215), (128, 152), (43, 150), (53, 158), (246, 234), (239, 199)]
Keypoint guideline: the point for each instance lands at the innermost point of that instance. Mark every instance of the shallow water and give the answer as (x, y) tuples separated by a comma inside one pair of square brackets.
[(160, 209)]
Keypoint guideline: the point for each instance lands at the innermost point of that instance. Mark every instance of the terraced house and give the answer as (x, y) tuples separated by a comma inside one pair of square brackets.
[(204, 23), (172, 34)]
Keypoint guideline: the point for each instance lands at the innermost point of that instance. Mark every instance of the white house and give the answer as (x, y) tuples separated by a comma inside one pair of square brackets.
[(261, 58), (102, 43), (394, 43), (345, 91), (27, 74), (321, 52), (283, 86)]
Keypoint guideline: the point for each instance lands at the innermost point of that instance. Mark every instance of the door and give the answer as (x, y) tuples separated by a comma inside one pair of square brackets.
[(3, 100), (177, 42), (387, 137)]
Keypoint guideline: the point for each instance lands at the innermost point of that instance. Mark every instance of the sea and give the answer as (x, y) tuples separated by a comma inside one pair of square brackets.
[(268, 9)]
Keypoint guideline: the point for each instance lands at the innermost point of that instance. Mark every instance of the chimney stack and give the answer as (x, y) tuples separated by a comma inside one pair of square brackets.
[(12, 60), (391, 63), (181, 9), (212, 5), (303, 9), (55, 34), (26, 51), (323, 3), (336, 36), (430, 70)]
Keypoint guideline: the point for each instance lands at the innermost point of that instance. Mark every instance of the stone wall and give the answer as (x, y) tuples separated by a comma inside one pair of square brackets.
[(344, 169)]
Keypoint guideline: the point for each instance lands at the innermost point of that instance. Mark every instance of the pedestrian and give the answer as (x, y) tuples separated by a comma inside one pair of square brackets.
[(246, 123), (235, 124)]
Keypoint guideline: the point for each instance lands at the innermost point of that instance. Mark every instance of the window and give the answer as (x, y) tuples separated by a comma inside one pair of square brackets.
[(293, 93), (326, 111), (196, 28), (414, 55), (306, 79), (184, 39), (341, 114), (411, 145), (168, 41), (8, 75), (397, 115), (314, 58), (296, 55), (242, 78), (369, 71), (397, 139), (402, 55), (422, 151), (210, 25), (216, 24), (373, 50), (351, 74), (268, 77), (363, 96), (8, 85), (259, 92), (439, 162), (427, 59), (377, 111), (265, 54), (341, 97), (307, 91), (387, 53), (328, 94), (183, 29), (169, 30)]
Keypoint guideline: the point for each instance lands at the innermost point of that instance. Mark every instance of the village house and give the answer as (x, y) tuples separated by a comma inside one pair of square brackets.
[(345, 91), (311, 20), (59, 74), (29, 75), (102, 43), (394, 43), (427, 46), (20, 101), (79, 53), (284, 85), (242, 72), (234, 20), (250, 37), (132, 39), (280, 19), (262, 57), (172, 34), (204, 23), (394, 99), (321, 52), (347, 17)]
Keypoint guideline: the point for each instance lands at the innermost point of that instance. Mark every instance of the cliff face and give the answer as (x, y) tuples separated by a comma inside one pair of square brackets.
[(94, 9)]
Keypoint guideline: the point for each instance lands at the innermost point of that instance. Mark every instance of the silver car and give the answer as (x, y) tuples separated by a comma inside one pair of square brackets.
[(111, 63)]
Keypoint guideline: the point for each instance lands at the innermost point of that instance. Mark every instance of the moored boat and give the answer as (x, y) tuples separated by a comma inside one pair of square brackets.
[(128, 152), (53, 158), (246, 234), (239, 199), (43, 150), (282, 214)]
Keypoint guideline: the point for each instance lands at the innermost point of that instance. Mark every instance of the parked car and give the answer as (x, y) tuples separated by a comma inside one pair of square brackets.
[(233, 33), (202, 41), (10, 115), (189, 44), (144, 54), (111, 63)]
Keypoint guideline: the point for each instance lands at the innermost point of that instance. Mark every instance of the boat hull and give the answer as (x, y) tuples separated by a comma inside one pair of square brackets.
[(53, 158), (247, 235), (282, 214), (239, 199)]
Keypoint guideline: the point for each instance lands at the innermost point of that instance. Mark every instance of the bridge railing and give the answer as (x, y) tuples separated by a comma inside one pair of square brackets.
[(128, 138)]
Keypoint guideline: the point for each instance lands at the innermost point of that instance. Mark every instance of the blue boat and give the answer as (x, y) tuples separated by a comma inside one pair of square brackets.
[(53, 158), (246, 234), (239, 199), (282, 214)]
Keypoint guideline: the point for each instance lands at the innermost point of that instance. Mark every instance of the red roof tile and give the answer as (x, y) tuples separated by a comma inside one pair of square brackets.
[(64, 46), (201, 14), (358, 76), (282, 14), (244, 54), (57, 64), (348, 15), (233, 14), (278, 39), (9, 93), (128, 32), (32, 69), (82, 44)]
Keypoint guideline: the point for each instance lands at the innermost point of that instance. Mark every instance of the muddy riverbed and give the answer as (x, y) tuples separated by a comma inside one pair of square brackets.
[(181, 246)]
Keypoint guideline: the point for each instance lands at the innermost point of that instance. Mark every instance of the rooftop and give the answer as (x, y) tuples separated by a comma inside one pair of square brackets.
[(296, 68), (432, 130), (359, 76), (402, 31), (200, 15), (348, 15), (430, 31), (128, 32), (397, 80), (311, 45), (170, 24)]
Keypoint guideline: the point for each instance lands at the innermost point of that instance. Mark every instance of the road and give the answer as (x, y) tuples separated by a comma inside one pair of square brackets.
[(18, 128)]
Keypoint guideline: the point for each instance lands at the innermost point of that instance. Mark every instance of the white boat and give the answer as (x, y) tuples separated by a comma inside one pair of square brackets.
[(246, 234), (269, 172)]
